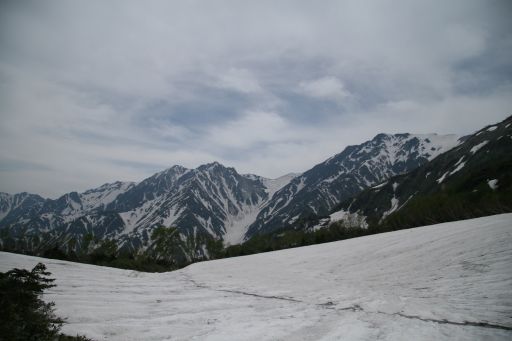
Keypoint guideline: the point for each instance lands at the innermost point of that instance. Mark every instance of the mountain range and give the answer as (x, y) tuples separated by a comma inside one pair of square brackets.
[(216, 202), (473, 179)]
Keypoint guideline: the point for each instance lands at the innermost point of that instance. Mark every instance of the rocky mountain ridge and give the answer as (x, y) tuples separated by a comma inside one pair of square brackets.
[(318, 190), (213, 201), (471, 180)]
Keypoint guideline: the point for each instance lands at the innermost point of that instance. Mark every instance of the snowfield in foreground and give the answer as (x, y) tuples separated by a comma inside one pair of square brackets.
[(446, 281)]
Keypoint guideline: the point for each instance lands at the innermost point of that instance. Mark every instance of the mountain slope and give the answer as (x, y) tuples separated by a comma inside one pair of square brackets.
[(211, 201), (21, 206), (473, 179), (317, 191), (41, 223), (444, 282)]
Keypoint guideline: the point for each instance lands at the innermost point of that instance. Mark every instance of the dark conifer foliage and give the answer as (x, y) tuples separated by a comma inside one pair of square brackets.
[(24, 316)]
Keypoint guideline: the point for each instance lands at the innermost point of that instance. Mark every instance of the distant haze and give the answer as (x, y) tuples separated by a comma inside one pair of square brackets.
[(94, 91)]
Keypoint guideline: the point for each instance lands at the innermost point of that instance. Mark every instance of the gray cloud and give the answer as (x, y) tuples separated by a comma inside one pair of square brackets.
[(326, 88), (92, 92)]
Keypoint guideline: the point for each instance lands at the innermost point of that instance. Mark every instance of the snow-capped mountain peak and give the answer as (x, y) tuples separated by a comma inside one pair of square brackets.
[(274, 185), (357, 167), (216, 201), (103, 195)]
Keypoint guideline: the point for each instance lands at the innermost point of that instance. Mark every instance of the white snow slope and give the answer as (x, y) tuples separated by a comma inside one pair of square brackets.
[(439, 282)]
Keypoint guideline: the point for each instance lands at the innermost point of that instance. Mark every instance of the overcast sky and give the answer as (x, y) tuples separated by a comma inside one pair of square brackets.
[(98, 91)]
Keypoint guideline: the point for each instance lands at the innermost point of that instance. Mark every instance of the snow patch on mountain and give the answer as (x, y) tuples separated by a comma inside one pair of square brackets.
[(478, 147), (350, 219), (274, 185), (434, 144), (339, 215), (458, 168), (138, 217), (460, 160), (380, 185), (393, 208), (103, 195), (493, 184), (236, 227), (441, 179)]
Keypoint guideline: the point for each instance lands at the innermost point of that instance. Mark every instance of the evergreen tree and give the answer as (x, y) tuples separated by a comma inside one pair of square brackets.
[(23, 315)]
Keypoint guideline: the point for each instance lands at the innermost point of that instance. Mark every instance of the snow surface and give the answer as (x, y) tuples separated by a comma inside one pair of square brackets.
[(460, 164), (440, 143), (441, 179), (380, 185), (274, 185), (392, 150), (478, 147), (350, 219), (393, 208), (440, 282), (322, 223), (339, 215), (493, 184), (104, 195), (236, 226), (458, 168), (460, 160)]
